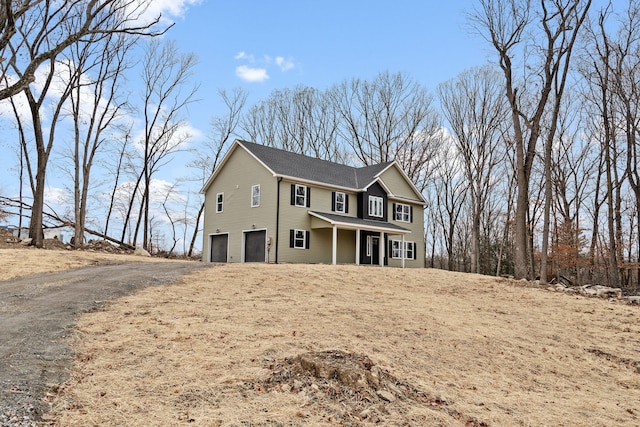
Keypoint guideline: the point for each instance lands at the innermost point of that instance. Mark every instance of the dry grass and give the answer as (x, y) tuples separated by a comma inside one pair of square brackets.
[(17, 262), (459, 349)]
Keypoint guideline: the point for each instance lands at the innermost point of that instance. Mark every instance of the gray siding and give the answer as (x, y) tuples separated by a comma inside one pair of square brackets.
[(241, 171)]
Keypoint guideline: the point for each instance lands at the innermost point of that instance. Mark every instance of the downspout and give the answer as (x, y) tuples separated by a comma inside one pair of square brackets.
[(278, 219)]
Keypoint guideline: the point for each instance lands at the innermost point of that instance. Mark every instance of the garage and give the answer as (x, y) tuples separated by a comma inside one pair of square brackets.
[(255, 243), (219, 247)]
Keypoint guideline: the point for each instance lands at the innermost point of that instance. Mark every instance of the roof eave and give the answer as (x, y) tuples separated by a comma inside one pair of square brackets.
[(351, 226)]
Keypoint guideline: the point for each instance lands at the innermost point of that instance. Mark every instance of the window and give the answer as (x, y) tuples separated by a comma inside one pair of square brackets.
[(300, 195), (396, 251), (409, 249), (376, 206), (339, 202), (402, 212), (255, 196), (219, 202), (299, 239)]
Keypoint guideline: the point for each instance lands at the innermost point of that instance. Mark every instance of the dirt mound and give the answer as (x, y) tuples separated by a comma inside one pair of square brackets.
[(105, 247), (7, 239), (352, 389), (55, 244)]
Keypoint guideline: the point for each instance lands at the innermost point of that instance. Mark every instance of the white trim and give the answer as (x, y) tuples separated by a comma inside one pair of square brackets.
[(295, 195), (238, 143), (334, 246), (404, 205), (405, 200), (344, 202), (406, 178), (304, 238), (219, 234), (404, 245), (220, 203), (378, 204), (242, 243), (367, 227), (358, 246), (259, 195)]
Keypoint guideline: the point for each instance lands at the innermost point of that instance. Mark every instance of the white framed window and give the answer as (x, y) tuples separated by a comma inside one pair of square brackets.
[(376, 206), (255, 196), (219, 202), (340, 202), (402, 212), (299, 239), (369, 245), (396, 249), (409, 248), (301, 194)]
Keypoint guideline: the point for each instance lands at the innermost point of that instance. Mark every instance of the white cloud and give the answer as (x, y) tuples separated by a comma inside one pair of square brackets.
[(250, 74), (169, 9), (244, 55), (284, 64), (260, 72)]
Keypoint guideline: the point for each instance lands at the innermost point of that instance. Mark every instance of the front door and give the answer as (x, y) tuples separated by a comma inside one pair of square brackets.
[(375, 250), (219, 245), (255, 243)]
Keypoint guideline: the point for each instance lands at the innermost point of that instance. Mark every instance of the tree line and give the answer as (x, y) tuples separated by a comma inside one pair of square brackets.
[(528, 162)]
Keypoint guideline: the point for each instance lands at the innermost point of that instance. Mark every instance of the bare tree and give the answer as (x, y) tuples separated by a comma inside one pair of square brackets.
[(35, 32), (512, 27), (602, 68), (96, 70), (167, 94), (450, 194), (390, 118), (303, 120), (574, 164), (208, 157), (34, 35), (476, 109)]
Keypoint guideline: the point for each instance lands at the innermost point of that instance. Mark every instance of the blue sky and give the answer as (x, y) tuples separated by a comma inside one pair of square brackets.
[(266, 45)]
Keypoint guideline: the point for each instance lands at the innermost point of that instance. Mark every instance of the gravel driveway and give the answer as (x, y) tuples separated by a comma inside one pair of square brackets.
[(38, 312)]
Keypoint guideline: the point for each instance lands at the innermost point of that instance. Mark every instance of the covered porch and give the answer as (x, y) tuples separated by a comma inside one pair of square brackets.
[(370, 240)]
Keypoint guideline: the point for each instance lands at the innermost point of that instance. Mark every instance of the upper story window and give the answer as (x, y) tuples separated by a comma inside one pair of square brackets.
[(300, 195), (219, 202), (339, 202), (376, 206), (255, 196), (402, 212)]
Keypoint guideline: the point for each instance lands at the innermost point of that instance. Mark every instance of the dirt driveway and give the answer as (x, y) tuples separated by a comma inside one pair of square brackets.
[(38, 312)]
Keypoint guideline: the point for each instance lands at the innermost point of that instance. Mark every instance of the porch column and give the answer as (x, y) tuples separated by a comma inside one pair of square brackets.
[(358, 246), (334, 246), (381, 246), (402, 251)]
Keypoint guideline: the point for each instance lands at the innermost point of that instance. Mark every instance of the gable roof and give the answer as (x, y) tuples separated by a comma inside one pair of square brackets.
[(285, 164), (294, 165)]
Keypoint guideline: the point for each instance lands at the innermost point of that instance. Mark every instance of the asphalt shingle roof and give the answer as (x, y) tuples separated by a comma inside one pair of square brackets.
[(308, 168), (359, 221)]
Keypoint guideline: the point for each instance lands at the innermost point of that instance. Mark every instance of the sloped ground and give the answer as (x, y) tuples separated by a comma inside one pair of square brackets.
[(289, 345), (38, 312)]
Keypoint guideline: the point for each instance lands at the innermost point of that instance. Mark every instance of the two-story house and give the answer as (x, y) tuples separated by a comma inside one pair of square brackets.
[(264, 204)]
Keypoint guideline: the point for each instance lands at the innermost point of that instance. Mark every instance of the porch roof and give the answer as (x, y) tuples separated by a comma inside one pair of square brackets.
[(351, 223)]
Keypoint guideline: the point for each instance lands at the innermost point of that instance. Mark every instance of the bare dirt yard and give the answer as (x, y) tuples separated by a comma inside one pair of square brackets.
[(289, 345)]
